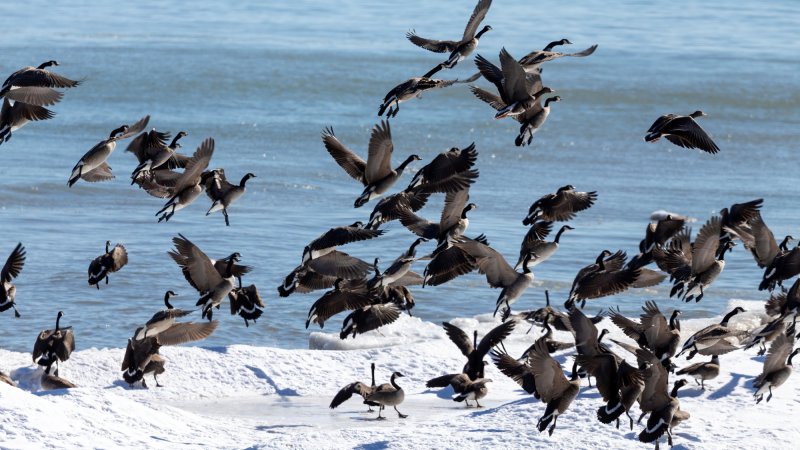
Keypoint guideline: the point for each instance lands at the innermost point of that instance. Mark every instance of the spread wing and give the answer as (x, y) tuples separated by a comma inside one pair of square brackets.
[(13, 265), (379, 161), (197, 267), (478, 14), (431, 44), (347, 160)]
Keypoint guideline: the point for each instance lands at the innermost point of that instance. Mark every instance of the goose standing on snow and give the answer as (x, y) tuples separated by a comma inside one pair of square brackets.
[(473, 390), (389, 397), (13, 117), (223, 194), (184, 188), (561, 206), (706, 370), (776, 371), (682, 131), (111, 261), (152, 152), (715, 339), (55, 345), (11, 269), (162, 320), (92, 166), (33, 85), (459, 50), (376, 173), (474, 351), (361, 389)]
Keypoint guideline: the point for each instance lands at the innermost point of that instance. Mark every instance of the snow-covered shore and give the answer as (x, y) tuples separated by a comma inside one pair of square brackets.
[(260, 397)]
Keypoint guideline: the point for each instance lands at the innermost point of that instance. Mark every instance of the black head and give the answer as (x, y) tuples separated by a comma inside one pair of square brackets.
[(602, 256), (603, 332), (415, 158), (737, 310), (398, 375), (358, 224), (247, 176), (566, 227), (108, 244), (47, 64), (568, 187), (697, 114), (555, 99), (118, 131), (174, 144), (470, 207), (169, 294), (60, 314), (235, 256), (564, 42), (338, 284), (483, 30)]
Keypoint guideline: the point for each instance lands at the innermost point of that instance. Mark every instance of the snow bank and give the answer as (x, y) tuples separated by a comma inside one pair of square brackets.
[(257, 397)]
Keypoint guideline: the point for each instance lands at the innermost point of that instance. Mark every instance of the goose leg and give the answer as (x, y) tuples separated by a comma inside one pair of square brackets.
[(156, 378), (399, 414), (97, 286), (380, 408), (702, 384), (669, 436), (553, 427), (106, 279), (479, 405), (630, 418), (641, 416), (16, 313), (144, 383), (618, 423), (768, 397), (225, 213)]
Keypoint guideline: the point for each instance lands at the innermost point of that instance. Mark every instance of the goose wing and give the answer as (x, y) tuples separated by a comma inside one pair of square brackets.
[(197, 267), (704, 252), (454, 203), (339, 265), (333, 302), (135, 129), (493, 74), (494, 337), (492, 100), (418, 225), (631, 328), (41, 344), (521, 373), (536, 234), (119, 257), (25, 111), (181, 333), (568, 202), (65, 344), (458, 337), (550, 379), (196, 165), (478, 14), (515, 83), (763, 247), (431, 44), (449, 264), (660, 122), (691, 134), (13, 265), (41, 78), (347, 160), (99, 173), (656, 328), (33, 95), (346, 392), (585, 333), (146, 145), (343, 235), (498, 271), (379, 161), (778, 352), (655, 395)]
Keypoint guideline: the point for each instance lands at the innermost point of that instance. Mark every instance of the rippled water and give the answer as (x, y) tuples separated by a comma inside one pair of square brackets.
[(264, 79)]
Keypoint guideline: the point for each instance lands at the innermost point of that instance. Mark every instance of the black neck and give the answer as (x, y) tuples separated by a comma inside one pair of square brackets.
[(560, 232), (229, 268), (403, 165), (58, 319), (674, 393), (117, 131), (547, 102), (107, 244), (475, 340), (789, 361), (547, 329), (166, 301), (372, 368), (394, 383), (547, 297), (480, 33), (175, 140), (602, 334), (412, 250), (673, 321), (574, 371), (244, 180), (785, 244), (728, 316), (45, 65), (525, 262)]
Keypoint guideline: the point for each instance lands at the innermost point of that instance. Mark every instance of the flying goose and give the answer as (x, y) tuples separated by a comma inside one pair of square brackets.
[(532, 120), (557, 319), (388, 397), (399, 268), (474, 351), (142, 357), (714, 339), (33, 85), (344, 296), (662, 405), (758, 239), (535, 244), (389, 208), (784, 303), (11, 269), (682, 131), (329, 240), (322, 272), (533, 60), (785, 266), (111, 261), (152, 152), (409, 89), (553, 387), (449, 263), (607, 276), (361, 389), (776, 371), (213, 279), (518, 93), (500, 274), (459, 50), (452, 223), (707, 370), (13, 117), (658, 233), (55, 345), (223, 194), (92, 166), (653, 332), (368, 318), (162, 320), (561, 206), (184, 188), (51, 382), (247, 303), (449, 171)]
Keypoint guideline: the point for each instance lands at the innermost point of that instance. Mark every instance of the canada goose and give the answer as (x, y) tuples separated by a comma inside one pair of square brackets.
[(473, 390), (343, 297), (682, 131), (452, 224), (607, 276), (785, 266), (454, 261), (458, 49), (368, 318), (389, 208), (247, 302), (152, 152), (776, 371), (389, 397), (653, 332), (784, 303), (533, 60), (714, 339), (518, 93), (213, 279), (51, 382), (552, 345), (561, 206), (7, 380), (329, 240), (400, 295), (162, 320), (376, 173), (33, 85), (399, 268), (558, 319), (111, 261), (54, 345), (361, 389), (142, 357), (13, 117), (92, 166), (658, 233), (661, 404), (612, 377), (411, 88), (553, 387), (303, 279), (11, 269), (707, 370), (187, 186), (223, 194), (535, 244), (322, 272), (533, 119), (474, 351), (449, 171)]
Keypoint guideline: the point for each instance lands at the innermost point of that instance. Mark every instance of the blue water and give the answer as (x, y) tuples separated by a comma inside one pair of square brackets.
[(264, 78)]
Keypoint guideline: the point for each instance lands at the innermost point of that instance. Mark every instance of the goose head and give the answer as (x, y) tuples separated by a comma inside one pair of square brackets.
[(555, 99), (235, 257), (58, 318), (784, 245), (697, 114), (167, 295), (603, 332), (678, 384), (467, 209), (561, 231), (47, 64), (118, 131), (358, 224), (174, 144), (108, 244), (245, 178), (483, 30), (602, 256), (412, 250)]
